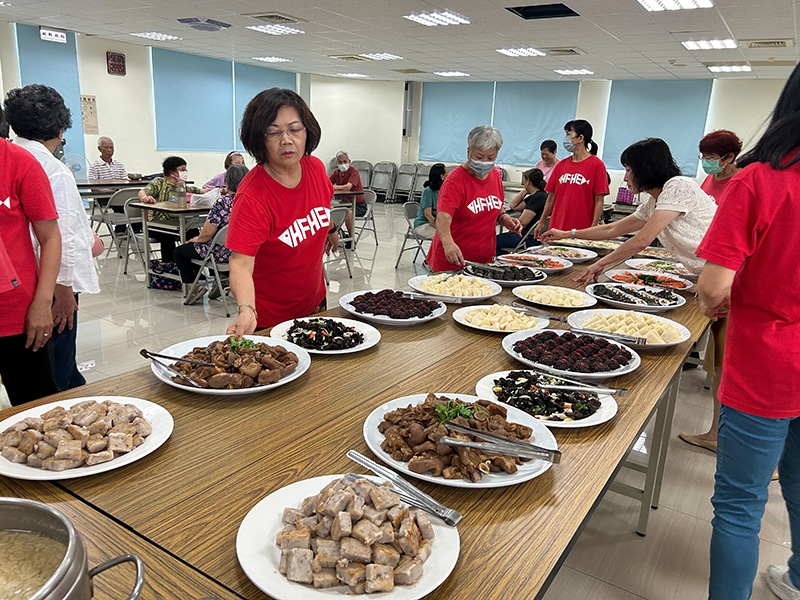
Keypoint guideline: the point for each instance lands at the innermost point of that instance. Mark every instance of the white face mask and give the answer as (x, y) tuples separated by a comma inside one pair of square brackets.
[(343, 166), (183, 175)]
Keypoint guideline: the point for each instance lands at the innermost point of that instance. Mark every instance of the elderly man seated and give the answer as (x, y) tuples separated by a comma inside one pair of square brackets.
[(107, 167), (346, 178)]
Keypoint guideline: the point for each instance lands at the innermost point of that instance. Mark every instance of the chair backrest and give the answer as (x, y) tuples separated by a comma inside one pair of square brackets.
[(370, 197), (420, 179), (219, 238), (119, 197), (365, 170), (383, 176), (331, 165), (338, 216), (410, 212), (405, 178), (133, 213)]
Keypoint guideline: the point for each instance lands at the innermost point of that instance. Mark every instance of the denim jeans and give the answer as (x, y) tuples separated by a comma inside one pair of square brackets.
[(65, 367), (748, 449)]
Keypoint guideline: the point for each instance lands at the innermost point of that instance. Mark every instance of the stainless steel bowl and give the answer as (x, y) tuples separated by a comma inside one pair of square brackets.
[(72, 580)]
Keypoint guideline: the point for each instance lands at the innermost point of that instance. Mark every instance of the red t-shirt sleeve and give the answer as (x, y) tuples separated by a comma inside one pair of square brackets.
[(600, 178), (734, 230)]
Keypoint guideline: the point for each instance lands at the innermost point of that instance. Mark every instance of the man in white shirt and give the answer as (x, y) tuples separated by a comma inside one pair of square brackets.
[(107, 167), (39, 117)]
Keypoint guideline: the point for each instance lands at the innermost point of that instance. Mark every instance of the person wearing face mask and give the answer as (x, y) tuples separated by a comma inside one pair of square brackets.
[(718, 152), (163, 189), (577, 184), (346, 178), (470, 206)]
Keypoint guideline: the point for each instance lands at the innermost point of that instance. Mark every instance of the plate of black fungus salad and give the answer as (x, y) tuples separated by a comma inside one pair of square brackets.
[(327, 335)]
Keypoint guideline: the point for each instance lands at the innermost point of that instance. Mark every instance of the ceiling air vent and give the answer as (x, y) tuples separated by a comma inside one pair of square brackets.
[(350, 57), (408, 71), (772, 63), (543, 11), (274, 18), (207, 25), (766, 44), (565, 51)]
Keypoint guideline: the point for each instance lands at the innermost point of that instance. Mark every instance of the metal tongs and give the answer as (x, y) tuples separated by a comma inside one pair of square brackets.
[(617, 337), (573, 385), (538, 312), (499, 444), (152, 356), (479, 265), (437, 297), (407, 491)]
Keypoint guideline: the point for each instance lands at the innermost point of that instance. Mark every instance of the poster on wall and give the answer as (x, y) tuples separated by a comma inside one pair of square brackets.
[(89, 113)]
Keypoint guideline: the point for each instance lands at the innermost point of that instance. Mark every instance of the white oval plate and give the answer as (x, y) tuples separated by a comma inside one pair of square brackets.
[(520, 291), (259, 556), (657, 253), (159, 418), (521, 256), (416, 283), (511, 338), (641, 308), (606, 412), (371, 335), (506, 283), (528, 470), (458, 317), (643, 264), (346, 300), (181, 348), (585, 254), (577, 319), (687, 285)]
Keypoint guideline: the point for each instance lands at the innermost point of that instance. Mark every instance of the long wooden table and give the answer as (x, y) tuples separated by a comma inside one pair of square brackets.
[(225, 454)]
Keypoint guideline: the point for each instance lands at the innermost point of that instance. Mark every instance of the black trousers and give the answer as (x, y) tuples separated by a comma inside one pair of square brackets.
[(183, 255), (27, 375)]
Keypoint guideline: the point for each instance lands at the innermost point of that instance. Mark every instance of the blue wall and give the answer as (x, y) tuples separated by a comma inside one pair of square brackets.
[(249, 81)]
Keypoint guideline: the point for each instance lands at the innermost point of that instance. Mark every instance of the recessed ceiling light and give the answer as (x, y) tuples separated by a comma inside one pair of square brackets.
[(450, 74), (657, 5), (729, 68), (271, 59), (432, 19), (573, 71), (353, 75), (158, 37), (382, 56), (275, 29), (2, 4), (520, 52), (709, 44)]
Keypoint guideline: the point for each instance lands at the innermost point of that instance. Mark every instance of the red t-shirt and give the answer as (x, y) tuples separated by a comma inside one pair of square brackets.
[(25, 196), (714, 187), (474, 206), (756, 236), (575, 185), (350, 176), (285, 230)]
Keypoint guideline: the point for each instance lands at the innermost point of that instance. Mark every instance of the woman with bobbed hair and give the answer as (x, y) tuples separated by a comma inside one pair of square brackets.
[(677, 212), (280, 224), (425, 223), (471, 205), (718, 152), (577, 184), (218, 181)]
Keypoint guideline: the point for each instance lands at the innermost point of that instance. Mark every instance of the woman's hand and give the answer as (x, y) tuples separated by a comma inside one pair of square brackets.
[(332, 242), (716, 312), (244, 324), (512, 224), (38, 325), (590, 273), (149, 200), (453, 253), (537, 231), (64, 307), (552, 234)]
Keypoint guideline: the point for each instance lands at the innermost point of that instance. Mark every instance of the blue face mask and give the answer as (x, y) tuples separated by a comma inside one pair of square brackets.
[(568, 145), (711, 166)]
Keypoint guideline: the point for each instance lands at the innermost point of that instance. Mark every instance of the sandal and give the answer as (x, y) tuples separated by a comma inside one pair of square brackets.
[(696, 440)]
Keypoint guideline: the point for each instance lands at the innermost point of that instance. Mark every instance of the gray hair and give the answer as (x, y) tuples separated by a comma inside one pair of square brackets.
[(485, 137), (103, 138), (341, 153), (234, 176)]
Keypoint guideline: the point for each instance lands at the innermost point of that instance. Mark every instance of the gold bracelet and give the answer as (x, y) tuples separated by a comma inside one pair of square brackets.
[(250, 306)]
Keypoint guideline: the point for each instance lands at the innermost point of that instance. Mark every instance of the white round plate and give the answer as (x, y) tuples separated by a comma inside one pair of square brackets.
[(687, 285), (371, 335), (511, 338), (259, 556), (639, 307), (577, 319), (657, 253), (416, 283), (599, 246), (520, 257), (346, 303), (159, 418), (528, 470), (520, 292), (181, 348), (585, 254), (643, 264), (458, 317), (607, 410), (506, 283)]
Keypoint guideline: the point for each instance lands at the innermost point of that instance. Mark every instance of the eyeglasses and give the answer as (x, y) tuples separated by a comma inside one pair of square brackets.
[(275, 135)]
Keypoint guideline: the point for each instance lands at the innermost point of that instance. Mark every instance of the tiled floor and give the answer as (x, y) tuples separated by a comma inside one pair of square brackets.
[(608, 562)]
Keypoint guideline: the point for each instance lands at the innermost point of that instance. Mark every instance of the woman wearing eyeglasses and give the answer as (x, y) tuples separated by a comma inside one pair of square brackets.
[(718, 152), (280, 224)]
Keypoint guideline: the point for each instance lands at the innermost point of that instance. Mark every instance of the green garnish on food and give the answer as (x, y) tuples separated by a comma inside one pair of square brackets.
[(242, 343), (454, 409)]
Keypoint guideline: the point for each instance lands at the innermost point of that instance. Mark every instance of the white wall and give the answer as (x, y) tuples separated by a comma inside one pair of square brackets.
[(9, 68), (743, 106)]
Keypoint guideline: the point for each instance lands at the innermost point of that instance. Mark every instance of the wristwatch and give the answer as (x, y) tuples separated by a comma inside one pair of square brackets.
[(572, 233)]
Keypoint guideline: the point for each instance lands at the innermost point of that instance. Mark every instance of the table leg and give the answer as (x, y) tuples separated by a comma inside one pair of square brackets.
[(146, 257)]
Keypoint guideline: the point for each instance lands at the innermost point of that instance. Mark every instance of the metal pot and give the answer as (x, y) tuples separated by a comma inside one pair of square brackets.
[(72, 580)]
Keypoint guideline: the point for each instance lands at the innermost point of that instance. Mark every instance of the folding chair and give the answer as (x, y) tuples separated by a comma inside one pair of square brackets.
[(212, 270), (106, 216), (410, 210), (521, 245), (368, 220), (419, 182), (365, 170), (404, 183), (383, 176), (133, 241), (338, 216)]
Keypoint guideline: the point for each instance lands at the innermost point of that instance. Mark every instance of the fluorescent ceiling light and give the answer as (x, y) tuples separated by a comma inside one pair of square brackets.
[(709, 44), (432, 19), (353, 75), (275, 29), (573, 71), (382, 56), (520, 52), (657, 5), (2, 4), (271, 59), (729, 68), (158, 37), (451, 74)]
